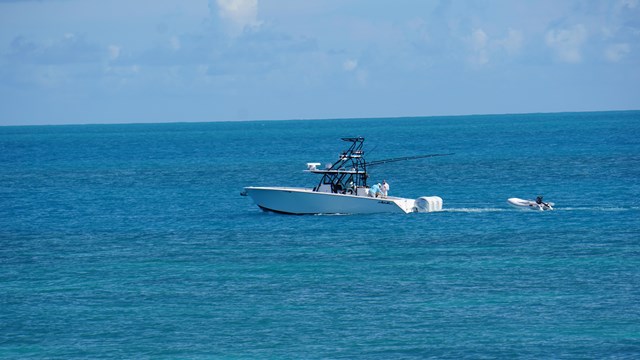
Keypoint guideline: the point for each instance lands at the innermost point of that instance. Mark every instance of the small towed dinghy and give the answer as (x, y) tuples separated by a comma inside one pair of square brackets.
[(538, 204)]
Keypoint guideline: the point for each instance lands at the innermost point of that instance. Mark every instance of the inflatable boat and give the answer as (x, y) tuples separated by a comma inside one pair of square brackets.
[(538, 204)]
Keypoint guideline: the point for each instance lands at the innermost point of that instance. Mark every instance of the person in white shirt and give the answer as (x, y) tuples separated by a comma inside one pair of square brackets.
[(384, 188)]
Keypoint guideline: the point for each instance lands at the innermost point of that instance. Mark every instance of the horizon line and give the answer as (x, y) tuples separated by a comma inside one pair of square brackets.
[(318, 119)]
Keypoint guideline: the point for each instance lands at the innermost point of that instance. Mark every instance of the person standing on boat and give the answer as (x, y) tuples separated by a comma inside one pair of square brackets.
[(384, 188)]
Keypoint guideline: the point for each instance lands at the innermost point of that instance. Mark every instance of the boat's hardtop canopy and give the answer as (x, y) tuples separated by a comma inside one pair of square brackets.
[(349, 171)]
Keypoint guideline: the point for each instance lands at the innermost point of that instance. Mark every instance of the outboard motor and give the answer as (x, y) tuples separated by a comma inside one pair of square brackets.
[(428, 204)]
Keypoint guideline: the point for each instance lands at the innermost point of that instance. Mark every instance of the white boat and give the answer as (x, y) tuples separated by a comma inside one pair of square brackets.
[(342, 190), (538, 204)]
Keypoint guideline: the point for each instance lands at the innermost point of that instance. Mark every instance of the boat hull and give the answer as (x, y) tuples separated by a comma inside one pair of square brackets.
[(306, 201), (529, 205)]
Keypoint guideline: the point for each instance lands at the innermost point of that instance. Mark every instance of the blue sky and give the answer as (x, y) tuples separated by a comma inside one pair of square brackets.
[(120, 61)]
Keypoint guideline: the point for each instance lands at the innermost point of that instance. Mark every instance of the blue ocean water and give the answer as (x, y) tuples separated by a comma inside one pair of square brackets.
[(132, 241)]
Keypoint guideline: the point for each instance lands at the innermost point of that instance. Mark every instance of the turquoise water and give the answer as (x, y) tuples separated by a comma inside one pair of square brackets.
[(132, 241)]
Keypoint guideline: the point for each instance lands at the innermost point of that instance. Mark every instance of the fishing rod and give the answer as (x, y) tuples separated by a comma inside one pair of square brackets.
[(385, 161)]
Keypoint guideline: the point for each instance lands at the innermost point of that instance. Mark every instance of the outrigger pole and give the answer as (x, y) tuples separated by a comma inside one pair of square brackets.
[(379, 162)]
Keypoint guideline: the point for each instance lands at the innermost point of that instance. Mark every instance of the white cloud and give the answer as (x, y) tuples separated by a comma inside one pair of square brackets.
[(478, 41), (567, 43), (512, 43), (350, 65), (360, 76), (483, 48), (114, 52), (238, 14), (616, 52)]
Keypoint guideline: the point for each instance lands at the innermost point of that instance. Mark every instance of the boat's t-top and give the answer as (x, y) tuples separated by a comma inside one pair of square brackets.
[(348, 175)]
